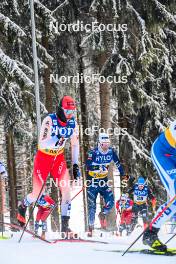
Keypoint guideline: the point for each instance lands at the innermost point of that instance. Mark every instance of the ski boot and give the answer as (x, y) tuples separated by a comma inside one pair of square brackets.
[(102, 218), (128, 229), (44, 229), (90, 230), (36, 227), (133, 223), (21, 214), (121, 228), (66, 232), (151, 239), (43, 235)]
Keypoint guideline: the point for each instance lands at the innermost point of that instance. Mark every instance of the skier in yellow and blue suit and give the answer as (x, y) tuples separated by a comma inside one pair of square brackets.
[(163, 156), (98, 163)]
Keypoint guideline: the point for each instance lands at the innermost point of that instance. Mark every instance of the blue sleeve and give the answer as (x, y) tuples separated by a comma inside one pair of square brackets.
[(89, 161), (117, 163)]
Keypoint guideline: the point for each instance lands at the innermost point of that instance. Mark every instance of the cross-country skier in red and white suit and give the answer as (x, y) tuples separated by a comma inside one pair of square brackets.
[(45, 206), (124, 207), (55, 130)]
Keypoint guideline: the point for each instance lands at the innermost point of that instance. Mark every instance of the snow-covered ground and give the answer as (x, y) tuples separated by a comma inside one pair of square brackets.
[(31, 251)]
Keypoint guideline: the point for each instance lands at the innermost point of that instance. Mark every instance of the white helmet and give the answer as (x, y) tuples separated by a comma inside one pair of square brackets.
[(103, 142), (124, 197), (103, 138)]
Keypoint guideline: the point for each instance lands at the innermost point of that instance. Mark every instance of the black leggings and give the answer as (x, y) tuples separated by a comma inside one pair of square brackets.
[(141, 209)]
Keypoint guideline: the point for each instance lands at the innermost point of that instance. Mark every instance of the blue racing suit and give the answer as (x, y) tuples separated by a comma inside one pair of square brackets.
[(97, 166), (163, 155)]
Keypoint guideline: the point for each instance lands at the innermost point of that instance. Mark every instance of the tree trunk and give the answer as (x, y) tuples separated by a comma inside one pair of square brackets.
[(12, 175), (1, 204), (84, 139), (106, 123)]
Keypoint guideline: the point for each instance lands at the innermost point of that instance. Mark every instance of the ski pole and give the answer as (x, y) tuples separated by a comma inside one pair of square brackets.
[(71, 200), (56, 204), (30, 215), (77, 193), (170, 238), (162, 211), (150, 226)]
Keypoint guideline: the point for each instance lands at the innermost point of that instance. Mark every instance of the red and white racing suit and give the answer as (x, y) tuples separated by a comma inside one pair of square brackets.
[(50, 158)]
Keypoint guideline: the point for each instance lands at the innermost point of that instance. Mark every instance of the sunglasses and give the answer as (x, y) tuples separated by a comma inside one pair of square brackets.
[(69, 112), (105, 144)]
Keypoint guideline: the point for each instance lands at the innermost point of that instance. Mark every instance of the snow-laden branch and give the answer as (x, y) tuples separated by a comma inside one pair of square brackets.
[(119, 5), (66, 2), (136, 144), (115, 42), (139, 18), (15, 7), (45, 11), (24, 67), (166, 14), (167, 71), (24, 131), (14, 97), (43, 108), (144, 36), (123, 63), (42, 65), (47, 55), (94, 5), (10, 67), (160, 44), (153, 101), (7, 23), (115, 8), (170, 32), (89, 37)]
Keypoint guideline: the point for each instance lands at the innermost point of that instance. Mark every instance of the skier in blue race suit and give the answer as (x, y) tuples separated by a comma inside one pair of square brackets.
[(163, 155), (98, 163), (142, 194)]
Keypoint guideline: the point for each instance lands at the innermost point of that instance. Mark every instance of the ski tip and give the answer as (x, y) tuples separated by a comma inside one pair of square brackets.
[(4, 237)]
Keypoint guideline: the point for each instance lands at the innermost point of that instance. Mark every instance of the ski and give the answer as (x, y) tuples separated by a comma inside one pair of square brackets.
[(15, 226), (169, 252), (79, 240), (4, 237)]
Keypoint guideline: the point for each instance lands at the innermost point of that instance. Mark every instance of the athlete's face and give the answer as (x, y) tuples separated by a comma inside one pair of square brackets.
[(105, 146), (69, 113), (123, 201), (140, 187)]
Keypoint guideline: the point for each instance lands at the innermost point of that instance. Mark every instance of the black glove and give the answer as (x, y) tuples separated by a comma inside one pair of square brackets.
[(76, 172)]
